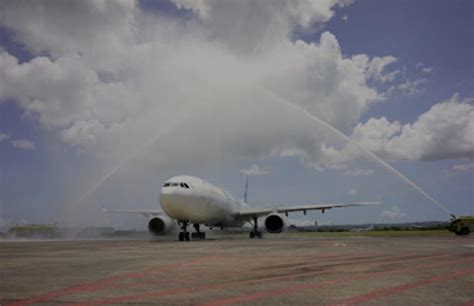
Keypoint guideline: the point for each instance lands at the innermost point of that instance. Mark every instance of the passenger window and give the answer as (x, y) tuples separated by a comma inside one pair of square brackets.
[(174, 184), (166, 184)]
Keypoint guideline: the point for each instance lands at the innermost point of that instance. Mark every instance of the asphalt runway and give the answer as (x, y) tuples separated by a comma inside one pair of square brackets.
[(284, 270)]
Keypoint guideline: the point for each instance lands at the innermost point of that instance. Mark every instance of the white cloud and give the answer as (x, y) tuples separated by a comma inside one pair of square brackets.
[(82, 132), (377, 66), (359, 172), (95, 29), (137, 75), (4, 136), (345, 18), (115, 77), (445, 131), (424, 68), (254, 170), (463, 167), (263, 22), (337, 166), (411, 88), (427, 70), (18, 143), (393, 214), (353, 192), (23, 144), (375, 134)]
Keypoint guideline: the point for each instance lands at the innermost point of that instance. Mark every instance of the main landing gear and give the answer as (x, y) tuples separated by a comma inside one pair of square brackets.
[(255, 233), (184, 234), (198, 234)]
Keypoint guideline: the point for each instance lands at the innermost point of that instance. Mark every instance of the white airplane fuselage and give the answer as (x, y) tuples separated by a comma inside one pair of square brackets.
[(188, 198)]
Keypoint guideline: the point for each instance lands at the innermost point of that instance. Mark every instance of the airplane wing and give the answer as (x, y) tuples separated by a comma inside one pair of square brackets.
[(145, 212), (256, 212)]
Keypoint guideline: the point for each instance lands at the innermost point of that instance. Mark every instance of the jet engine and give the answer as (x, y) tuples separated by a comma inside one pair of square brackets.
[(160, 225), (275, 223)]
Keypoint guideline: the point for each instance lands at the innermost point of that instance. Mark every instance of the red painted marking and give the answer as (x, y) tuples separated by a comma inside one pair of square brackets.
[(260, 263), (356, 259), (191, 274), (337, 281), (109, 282), (244, 298), (176, 291), (105, 282), (146, 283), (469, 303), (377, 294)]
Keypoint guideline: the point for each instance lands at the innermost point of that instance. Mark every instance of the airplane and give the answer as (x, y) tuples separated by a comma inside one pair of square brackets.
[(363, 229), (187, 199)]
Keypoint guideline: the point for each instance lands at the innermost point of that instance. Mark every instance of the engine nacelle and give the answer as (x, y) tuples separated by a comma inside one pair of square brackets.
[(161, 225), (275, 223)]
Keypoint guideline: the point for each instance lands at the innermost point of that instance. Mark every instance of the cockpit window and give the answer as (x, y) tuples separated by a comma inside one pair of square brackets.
[(172, 184)]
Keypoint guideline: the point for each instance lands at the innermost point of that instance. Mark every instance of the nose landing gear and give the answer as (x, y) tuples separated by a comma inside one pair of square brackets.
[(184, 234)]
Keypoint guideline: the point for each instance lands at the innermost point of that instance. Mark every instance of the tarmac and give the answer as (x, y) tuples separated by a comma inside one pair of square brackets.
[(282, 270)]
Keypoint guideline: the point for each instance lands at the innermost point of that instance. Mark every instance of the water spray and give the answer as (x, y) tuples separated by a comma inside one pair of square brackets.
[(124, 161), (362, 149)]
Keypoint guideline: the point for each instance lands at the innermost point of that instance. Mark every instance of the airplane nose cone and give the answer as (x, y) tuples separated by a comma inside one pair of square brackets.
[(172, 201), (183, 205), (165, 191), (168, 197)]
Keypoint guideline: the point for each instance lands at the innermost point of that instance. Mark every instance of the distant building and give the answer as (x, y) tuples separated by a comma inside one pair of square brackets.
[(293, 228), (32, 231)]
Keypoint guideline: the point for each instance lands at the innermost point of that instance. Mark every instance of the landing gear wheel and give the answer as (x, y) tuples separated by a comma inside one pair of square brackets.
[(186, 236), (181, 236), (255, 233)]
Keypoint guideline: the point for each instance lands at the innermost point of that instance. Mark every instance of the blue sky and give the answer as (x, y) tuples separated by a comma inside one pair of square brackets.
[(428, 32), (82, 103)]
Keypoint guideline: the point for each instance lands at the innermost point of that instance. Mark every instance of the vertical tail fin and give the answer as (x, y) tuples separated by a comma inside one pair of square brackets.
[(246, 188)]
